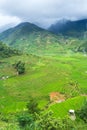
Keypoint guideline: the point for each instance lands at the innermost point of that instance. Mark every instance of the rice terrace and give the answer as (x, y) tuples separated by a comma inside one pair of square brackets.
[(43, 68)]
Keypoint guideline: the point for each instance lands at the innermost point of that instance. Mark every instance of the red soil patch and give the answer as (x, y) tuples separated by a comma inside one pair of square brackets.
[(57, 97)]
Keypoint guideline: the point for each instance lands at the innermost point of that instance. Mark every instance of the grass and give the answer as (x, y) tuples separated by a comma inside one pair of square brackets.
[(43, 75), (62, 109)]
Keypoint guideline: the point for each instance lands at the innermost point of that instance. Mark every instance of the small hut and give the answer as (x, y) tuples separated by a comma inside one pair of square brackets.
[(72, 114)]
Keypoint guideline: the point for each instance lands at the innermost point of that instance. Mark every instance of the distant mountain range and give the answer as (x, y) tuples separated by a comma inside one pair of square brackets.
[(69, 28), (62, 36)]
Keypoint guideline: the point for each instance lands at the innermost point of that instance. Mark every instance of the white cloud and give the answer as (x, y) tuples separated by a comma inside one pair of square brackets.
[(6, 19), (43, 11)]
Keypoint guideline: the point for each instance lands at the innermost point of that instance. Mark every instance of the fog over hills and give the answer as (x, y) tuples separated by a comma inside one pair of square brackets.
[(62, 36), (70, 28)]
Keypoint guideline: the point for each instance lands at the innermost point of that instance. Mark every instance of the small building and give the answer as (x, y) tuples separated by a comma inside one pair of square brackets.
[(72, 114)]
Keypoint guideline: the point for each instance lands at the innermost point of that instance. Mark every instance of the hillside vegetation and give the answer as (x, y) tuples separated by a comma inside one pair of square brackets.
[(43, 75), (70, 28), (6, 51), (34, 40), (49, 63), (30, 38)]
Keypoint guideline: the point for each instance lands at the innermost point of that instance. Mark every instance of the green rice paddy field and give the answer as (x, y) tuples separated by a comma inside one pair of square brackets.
[(43, 75)]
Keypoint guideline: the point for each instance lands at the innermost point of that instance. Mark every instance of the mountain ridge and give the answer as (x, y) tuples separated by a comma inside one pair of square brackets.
[(70, 28), (29, 38), (34, 40)]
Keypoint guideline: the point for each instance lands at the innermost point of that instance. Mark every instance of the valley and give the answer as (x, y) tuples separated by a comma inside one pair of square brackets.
[(33, 64), (44, 74)]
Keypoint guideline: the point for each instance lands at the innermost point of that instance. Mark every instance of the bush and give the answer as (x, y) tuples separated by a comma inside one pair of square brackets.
[(32, 106), (24, 119), (20, 67), (82, 113), (6, 51), (46, 121)]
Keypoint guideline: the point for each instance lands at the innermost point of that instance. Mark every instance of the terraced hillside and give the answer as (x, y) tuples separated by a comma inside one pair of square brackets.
[(53, 63), (43, 75)]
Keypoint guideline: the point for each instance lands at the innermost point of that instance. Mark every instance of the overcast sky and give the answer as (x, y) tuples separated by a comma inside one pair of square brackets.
[(42, 12)]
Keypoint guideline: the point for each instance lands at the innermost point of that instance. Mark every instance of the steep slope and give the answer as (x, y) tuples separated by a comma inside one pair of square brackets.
[(34, 40), (70, 28), (30, 38)]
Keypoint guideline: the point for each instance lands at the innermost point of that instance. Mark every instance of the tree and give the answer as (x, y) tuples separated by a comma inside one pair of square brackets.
[(34, 119), (82, 113), (7, 51), (20, 67), (32, 106), (46, 121), (25, 120)]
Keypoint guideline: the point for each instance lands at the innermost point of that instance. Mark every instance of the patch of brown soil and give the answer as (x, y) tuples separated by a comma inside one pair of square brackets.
[(56, 97)]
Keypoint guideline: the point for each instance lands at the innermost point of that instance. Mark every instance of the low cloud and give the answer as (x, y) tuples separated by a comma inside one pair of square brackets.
[(42, 12), (6, 19)]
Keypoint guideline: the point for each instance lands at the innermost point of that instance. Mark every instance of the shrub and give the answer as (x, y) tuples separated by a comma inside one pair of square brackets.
[(24, 119), (82, 113), (32, 106), (20, 67), (46, 121)]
